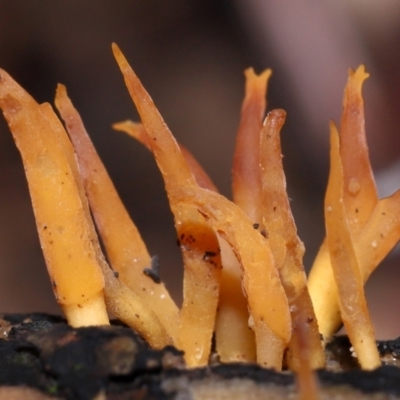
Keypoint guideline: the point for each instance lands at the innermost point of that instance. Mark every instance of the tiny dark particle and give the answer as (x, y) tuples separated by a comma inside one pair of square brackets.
[(178, 242), (206, 217), (356, 210), (264, 233), (255, 226), (54, 284), (209, 254), (190, 239), (153, 272), (274, 208), (137, 316), (310, 320), (44, 226), (116, 274), (51, 242)]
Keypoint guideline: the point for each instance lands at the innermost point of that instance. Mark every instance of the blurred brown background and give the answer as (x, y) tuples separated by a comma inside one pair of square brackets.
[(190, 55)]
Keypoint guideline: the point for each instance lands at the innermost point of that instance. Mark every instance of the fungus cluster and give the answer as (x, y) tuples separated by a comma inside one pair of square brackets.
[(244, 279)]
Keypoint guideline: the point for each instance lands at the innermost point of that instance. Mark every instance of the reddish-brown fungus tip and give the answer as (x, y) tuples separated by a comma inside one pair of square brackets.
[(275, 117), (115, 48)]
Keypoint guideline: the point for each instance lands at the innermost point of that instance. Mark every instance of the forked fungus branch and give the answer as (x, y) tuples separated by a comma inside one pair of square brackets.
[(244, 278)]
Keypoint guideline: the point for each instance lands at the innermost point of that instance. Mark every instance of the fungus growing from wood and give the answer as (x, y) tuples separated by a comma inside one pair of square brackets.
[(244, 279)]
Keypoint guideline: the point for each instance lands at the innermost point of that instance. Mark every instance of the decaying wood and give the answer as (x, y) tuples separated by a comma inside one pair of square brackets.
[(41, 357)]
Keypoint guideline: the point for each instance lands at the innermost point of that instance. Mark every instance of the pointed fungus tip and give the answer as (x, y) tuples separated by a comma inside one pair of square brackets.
[(119, 56)]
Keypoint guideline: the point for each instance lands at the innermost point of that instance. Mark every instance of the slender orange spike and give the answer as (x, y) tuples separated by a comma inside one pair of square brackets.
[(246, 178), (359, 196), (125, 248), (59, 206), (199, 244), (178, 172), (352, 303), (246, 189), (287, 248), (360, 193)]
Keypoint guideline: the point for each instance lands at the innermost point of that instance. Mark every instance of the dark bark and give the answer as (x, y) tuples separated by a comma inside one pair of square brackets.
[(40, 355)]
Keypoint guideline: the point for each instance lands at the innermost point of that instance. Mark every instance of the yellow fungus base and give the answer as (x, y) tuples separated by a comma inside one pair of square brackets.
[(89, 313)]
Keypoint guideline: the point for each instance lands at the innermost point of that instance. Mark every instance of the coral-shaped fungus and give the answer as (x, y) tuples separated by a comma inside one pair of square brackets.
[(243, 260)]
